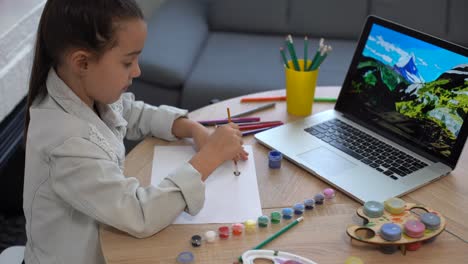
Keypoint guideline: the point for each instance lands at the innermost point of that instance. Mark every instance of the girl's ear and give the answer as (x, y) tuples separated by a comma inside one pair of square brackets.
[(79, 61)]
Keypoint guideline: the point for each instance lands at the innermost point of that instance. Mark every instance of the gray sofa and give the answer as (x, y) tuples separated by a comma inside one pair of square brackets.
[(200, 50)]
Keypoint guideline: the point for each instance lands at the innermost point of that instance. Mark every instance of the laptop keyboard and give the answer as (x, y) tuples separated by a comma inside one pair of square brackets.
[(367, 149)]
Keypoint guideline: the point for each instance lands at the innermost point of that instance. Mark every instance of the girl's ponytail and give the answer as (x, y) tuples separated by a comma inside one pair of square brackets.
[(66, 24), (42, 62)]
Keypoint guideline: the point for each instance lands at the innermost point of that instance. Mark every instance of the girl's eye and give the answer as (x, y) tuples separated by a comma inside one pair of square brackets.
[(127, 65)]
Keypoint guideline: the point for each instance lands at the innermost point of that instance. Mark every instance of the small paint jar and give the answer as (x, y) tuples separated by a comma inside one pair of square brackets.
[(185, 257), (388, 249), (430, 220), (329, 193), (390, 232), (210, 236), (309, 204), (353, 260), (413, 246), (319, 198), (237, 229), (373, 209), (196, 241), (287, 213), (275, 217), (250, 226), (263, 221), (274, 159), (299, 208), (414, 228), (223, 232), (394, 206)]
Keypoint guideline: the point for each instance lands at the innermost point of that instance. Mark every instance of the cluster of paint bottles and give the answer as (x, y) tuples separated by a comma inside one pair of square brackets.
[(413, 228), (250, 226)]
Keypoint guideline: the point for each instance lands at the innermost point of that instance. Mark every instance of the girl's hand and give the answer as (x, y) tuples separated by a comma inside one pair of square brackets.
[(222, 145), (200, 135)]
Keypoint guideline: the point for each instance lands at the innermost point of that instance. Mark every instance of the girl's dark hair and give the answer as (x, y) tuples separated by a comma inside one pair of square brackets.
[(65, 24)]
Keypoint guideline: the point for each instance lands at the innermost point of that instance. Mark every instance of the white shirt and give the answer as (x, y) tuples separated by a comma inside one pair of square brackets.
[(74, 176)]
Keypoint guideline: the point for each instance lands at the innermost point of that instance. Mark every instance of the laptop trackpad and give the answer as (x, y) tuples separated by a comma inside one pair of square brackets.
[(325, 162)]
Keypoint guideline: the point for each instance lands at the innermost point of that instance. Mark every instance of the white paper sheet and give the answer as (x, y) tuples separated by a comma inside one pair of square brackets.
[(228, 198)]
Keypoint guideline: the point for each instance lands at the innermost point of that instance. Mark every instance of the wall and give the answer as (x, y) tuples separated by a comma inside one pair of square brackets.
[(18, 25)]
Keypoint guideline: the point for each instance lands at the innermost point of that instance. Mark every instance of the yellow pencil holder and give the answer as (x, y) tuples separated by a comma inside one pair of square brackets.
[(300, 89)]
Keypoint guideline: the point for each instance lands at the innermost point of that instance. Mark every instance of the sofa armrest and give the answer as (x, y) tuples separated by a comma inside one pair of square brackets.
[(176, 34)]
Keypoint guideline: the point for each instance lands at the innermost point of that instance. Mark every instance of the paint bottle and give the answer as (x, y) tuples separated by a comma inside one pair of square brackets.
[(275, 217), (237, 229), (196, 241), (210, 236), (309, 204), (185, 257), (250, 226), (223, 232), (430, 220), (413, 246), (390, 232), (287, 213), (414, 228), (388, 249), (319, 198), (299, 208), (353, 260), (373, 209), (274, 159), (394, 206), (329, 193), (263, 221)]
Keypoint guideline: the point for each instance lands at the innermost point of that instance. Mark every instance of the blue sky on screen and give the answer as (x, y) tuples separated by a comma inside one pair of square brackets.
[(391, 47)]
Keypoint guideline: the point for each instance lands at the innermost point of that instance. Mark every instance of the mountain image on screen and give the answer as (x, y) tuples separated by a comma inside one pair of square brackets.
[(397, 98), (409, 71)]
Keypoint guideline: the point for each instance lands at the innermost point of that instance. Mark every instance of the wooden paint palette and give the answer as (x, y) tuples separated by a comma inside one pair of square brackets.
[(370, 231)]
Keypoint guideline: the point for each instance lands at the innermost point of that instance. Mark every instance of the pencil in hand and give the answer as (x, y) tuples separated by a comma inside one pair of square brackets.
[(236, 169)]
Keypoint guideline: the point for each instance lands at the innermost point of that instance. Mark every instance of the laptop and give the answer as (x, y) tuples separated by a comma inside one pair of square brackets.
[(400, 120)]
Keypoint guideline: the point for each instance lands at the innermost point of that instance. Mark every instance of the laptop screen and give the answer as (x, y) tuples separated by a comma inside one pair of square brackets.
[(411, 86)]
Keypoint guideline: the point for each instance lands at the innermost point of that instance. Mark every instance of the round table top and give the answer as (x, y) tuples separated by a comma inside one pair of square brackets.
[(322, 236)]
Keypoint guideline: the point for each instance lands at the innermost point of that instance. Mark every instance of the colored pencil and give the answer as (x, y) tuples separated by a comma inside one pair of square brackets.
[(225, 121), (283, 55), (258, 123), (322, 57), (254, 131), (277, 234), (283, 98), (273, 124), (325, 99), (292, 52), (256, 109), (263, 99), (317, 53), (306, 43)]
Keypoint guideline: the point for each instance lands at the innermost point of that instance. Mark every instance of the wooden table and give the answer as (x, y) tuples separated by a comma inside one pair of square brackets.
[(321, 237)]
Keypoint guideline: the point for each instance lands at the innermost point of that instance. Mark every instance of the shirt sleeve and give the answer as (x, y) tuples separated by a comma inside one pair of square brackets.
[(144, 119), (83, 175)]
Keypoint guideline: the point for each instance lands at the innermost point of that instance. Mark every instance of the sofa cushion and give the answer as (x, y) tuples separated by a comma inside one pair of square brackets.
[(458, 21), (261, 16), (176, 34), (428, 16), (234, 64), (325, 19)]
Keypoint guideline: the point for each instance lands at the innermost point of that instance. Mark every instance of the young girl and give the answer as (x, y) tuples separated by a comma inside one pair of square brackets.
[(85, 58)]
